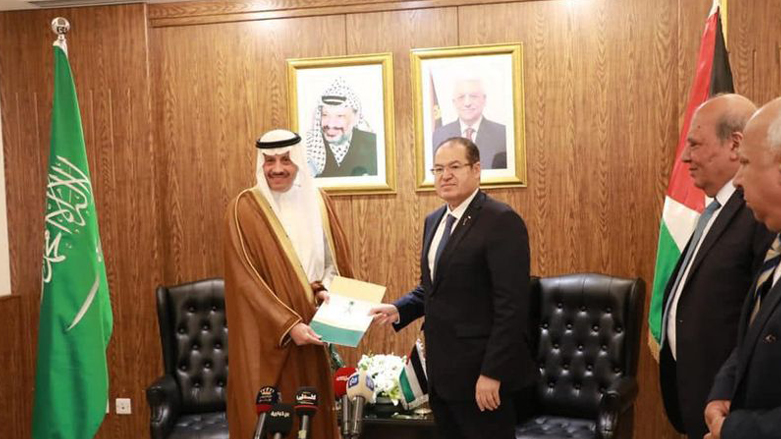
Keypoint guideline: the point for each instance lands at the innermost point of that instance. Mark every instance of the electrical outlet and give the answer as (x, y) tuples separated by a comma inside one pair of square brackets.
[(123, 406)]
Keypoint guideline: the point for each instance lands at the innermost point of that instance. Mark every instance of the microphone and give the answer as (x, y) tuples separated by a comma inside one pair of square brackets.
[(340, 389), (360, 389), (280, 420), (306, 408), (267, 396)]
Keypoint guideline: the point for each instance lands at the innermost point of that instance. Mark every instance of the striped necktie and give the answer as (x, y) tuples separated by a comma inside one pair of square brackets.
[(765, 278)]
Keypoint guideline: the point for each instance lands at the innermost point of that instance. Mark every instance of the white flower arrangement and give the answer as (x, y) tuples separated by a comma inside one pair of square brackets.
[(385, 371)]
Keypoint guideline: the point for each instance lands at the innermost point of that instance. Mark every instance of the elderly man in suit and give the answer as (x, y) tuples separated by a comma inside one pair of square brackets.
[(473, 291), (469, 99), (706, 291), (745, 401)]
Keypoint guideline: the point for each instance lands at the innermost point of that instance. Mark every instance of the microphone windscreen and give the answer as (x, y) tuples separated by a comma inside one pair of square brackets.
[(306, 401), (280, 419), (360, 384), (340, 380), (267, 396)]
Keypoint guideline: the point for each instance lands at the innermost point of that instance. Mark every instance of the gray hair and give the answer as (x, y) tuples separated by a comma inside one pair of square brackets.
[(731, 122)]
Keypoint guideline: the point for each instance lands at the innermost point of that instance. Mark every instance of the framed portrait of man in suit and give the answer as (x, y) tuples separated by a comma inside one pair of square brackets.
[(474, 92), (343, 109)]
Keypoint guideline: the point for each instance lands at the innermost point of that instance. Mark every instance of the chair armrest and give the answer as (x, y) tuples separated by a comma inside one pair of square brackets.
[(613, 407), (164, 401)]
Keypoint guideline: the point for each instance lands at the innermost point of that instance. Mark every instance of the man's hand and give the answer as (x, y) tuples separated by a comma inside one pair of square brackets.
[(487, 393), (302, 334), (715, 413), (322, 296), (384, 314)]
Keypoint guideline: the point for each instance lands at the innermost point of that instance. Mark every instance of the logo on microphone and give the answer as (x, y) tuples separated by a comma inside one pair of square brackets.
[(266, 395), (353, 380), (279, 414), (369, 383), (306, 397)]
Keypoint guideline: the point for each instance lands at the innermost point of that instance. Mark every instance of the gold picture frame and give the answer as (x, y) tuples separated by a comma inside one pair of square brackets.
[(329, 95), (473, 81)]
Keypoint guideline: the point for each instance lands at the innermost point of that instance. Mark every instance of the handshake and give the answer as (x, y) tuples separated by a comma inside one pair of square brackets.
[(384, 314)]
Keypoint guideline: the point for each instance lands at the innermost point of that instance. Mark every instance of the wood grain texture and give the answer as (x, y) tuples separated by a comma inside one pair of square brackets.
[(210, 12), (107, 49), (13, 415), (754, 43), (171, 113), (217, 89)]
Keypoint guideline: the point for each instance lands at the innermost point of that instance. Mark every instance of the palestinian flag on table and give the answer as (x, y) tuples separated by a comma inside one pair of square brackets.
[(684, 202), (413, 382)]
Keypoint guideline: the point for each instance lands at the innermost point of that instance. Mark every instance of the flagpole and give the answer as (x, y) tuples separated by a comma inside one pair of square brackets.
[(61, 26), (76, 321), (724, 18)]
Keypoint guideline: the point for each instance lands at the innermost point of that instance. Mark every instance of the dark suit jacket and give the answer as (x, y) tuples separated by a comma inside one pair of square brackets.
[(361, 158), (709, 311), (750, 376), (477, 307), (491, 141)]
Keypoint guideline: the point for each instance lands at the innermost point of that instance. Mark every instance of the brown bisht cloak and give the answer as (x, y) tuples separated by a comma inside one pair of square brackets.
[(266, 294)]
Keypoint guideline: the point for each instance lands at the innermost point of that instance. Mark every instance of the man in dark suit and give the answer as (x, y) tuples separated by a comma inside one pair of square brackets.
[(705, 293), (491, 138), (745, 401), (474, 293)]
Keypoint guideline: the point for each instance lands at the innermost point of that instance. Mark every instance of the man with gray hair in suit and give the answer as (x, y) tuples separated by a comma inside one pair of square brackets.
[(745, 401), (469, 98)]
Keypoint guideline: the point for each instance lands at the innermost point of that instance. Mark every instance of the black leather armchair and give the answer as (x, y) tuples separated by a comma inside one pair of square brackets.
[(188, 401), (589, 340)]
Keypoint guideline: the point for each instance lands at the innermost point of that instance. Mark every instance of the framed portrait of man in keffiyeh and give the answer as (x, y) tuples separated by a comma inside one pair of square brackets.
[(474, 92), (343, 109)]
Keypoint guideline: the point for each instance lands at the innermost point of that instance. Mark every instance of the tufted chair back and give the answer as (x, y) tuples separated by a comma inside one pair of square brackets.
[(194, 336), (589, 331)]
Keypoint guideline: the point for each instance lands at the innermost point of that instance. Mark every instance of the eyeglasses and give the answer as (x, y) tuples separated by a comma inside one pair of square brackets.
[(452, 167)]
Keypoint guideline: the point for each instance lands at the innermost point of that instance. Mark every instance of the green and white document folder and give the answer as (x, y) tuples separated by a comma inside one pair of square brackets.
[(345, 318)]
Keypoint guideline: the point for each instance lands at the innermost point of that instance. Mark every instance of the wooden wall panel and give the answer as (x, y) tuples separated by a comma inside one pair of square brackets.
[(171, 114), (107, 49), (755, 48), (13, 414), (217, 88)]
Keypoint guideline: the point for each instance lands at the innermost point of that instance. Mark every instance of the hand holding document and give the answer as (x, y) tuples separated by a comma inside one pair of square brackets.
[(345, 318)]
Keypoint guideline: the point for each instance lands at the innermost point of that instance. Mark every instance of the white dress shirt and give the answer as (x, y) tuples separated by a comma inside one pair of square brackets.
[(722, 196), (475, 126), (458, 212)]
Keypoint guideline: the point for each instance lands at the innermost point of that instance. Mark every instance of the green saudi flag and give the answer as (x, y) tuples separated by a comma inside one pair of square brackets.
[(71, 377)]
